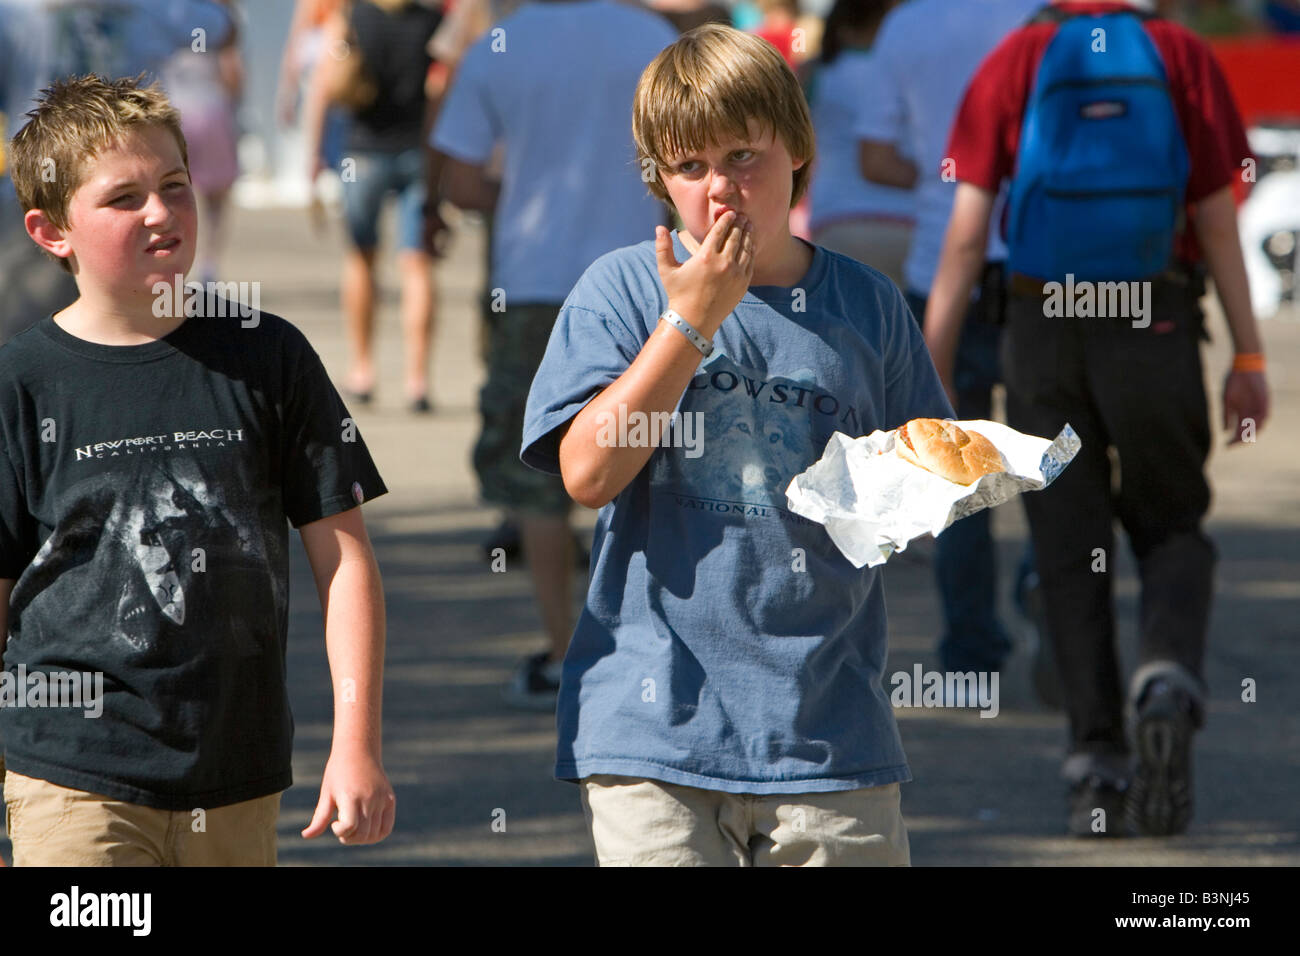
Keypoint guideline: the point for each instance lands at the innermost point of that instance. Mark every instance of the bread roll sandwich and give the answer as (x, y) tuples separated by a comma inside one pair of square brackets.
[(944, 449)]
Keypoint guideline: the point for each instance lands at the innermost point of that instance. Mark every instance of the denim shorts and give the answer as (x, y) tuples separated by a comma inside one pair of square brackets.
[(377, 174)]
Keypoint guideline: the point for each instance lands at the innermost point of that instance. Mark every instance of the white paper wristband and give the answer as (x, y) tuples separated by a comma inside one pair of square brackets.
[(699, 341)]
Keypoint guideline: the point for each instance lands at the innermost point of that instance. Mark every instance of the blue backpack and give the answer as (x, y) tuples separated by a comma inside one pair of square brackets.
[(1102, 166)]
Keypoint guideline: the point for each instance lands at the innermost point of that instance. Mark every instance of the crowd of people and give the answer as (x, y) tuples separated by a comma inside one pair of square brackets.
[(872, 205)]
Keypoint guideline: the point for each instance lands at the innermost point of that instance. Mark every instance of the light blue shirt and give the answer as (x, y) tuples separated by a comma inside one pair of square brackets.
[(726, 643), (555, 82), (838, 190), (43, 40), (923, 59)]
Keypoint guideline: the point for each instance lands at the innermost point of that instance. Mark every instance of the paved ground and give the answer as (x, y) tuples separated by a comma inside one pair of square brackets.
[(985, 791)]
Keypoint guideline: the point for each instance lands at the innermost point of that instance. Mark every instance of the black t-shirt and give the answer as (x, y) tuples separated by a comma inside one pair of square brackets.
[(144, 493), (394, 48)]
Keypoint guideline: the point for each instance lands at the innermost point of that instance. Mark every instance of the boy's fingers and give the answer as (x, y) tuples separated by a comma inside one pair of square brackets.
[(389, 818), (736, 240), (719, 231), (368, 829), (324, 810), (748, 247), (346, 825), (664, 250)]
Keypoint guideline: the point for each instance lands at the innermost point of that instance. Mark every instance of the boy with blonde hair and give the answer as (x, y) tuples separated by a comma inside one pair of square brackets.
[(153, 450), (721, 700)]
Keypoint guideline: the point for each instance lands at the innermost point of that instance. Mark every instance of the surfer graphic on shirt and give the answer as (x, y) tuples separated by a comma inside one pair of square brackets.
[(151, 533)]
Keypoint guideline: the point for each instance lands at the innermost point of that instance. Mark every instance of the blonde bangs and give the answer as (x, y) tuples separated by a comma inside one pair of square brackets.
[(705, 88)]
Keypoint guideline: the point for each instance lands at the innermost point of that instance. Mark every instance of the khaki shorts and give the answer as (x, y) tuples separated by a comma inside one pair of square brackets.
[(51, 825), (639, 822)]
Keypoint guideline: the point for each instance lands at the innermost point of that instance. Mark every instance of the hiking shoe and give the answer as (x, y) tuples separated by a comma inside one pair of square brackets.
[(1160, 800), (535, 684), (1097, 808)]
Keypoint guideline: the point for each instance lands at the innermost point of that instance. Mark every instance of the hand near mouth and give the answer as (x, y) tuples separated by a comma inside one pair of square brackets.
[(708, 286)]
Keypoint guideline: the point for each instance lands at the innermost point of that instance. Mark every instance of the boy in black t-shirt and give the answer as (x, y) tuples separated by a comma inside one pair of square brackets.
[(154, 444)]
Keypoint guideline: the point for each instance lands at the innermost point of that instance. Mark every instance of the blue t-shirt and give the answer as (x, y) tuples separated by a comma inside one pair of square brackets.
[(554, 83), (726, 643)]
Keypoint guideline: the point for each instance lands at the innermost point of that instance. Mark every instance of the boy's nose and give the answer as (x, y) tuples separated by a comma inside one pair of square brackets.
[(722, 190), (156, 210), (720, 186)]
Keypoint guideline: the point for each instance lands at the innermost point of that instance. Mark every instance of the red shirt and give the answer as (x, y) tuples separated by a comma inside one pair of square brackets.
[(986, 133), (780, 36)]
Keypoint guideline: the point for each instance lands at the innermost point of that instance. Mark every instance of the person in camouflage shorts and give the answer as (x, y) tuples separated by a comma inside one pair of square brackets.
[(517, 340)]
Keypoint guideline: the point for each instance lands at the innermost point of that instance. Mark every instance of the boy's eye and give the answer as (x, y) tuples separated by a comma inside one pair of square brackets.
[(741, 155)]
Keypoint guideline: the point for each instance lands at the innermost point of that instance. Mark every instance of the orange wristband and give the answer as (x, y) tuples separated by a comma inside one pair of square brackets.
[(1248, 362)]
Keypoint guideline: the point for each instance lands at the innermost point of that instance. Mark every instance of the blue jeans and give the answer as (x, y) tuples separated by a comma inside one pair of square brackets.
[(965, 564), (377, 175)]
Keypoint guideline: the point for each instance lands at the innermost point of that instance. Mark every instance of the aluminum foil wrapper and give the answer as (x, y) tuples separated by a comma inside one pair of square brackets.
[(873, 503)]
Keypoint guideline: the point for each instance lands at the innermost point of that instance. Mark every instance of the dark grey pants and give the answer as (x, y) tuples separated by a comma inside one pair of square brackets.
[(1139, 391)]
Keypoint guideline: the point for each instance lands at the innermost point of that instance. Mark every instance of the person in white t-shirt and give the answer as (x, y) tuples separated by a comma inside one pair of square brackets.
[(850, 214)]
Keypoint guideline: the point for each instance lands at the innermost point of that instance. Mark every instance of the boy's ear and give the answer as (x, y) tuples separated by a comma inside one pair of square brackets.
[(46, 234)]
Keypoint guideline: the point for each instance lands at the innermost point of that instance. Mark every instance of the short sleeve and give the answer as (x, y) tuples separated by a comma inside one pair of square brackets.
[(468, 125), (1211, 124), (986, 131), (912, 385), (588, 350), (18, 534), (326, 467), (880, 111)]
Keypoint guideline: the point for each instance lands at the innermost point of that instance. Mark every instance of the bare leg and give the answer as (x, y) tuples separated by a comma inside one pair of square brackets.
[(418, 300), (359, 312), (214, 239), (548, 549)]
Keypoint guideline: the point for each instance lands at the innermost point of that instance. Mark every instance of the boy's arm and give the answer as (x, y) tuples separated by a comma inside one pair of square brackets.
[(960, 265), (6, 588), (352, 601), (703, 291), (1245, 393)]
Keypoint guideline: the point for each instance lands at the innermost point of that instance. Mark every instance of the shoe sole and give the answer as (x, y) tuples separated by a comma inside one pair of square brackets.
[(1160, 800)]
